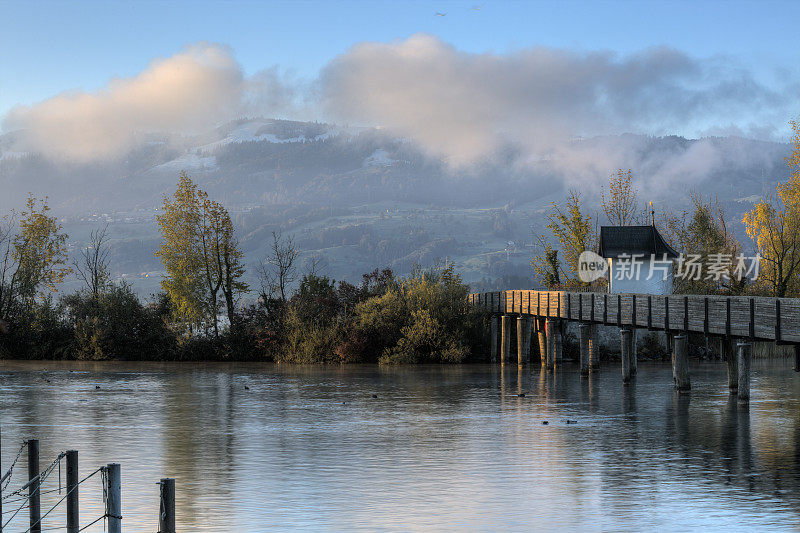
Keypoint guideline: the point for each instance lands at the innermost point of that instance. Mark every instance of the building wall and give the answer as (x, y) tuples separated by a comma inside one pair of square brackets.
[(655, 285)]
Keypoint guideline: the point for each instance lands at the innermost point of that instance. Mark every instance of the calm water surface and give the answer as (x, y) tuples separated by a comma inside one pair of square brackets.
[(440, 448)]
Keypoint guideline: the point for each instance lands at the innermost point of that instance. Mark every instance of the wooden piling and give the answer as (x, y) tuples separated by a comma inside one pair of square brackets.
[(523, 340), (681, 363), (633, 352), (744, 351), (550, 334), (558, 343), (72, 492), (797, 357), (594, 354), (505, 339), (166, 514), (625, 350), (584, 330), (542, 338), (114, 498), (493, 327), (728, 352), (34, 494)]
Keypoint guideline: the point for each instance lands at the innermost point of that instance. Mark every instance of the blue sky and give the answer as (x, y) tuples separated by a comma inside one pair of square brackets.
[(50, 47), (483, 73)]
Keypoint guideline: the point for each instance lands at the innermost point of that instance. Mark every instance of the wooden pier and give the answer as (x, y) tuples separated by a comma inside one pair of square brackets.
[(736, 321)]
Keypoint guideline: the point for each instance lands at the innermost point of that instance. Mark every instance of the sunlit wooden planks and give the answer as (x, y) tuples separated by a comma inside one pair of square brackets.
[(737, 316)]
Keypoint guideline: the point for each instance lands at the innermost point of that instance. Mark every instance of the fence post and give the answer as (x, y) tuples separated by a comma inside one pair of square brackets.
[(114, 498), (166, 515), (34, 494), (72, 491)]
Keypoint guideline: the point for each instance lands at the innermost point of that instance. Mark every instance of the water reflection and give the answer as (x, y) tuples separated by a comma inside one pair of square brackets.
[(263, 447)]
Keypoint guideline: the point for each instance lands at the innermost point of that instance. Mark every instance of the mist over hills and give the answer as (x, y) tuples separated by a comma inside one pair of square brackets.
[(360, 198)]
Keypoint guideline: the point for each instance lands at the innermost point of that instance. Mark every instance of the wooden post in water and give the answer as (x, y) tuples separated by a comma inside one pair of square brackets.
[(681, 363), (493, 325), (34, 500), (594, 355), (728, 351), (797, 357), (584, 330), (72, 491), (114, 498), (505, 339), (542, 338), (634, 355), (559, 342), (625, 352), (744, 352), (550, 327), (523, 340), (166, 514)]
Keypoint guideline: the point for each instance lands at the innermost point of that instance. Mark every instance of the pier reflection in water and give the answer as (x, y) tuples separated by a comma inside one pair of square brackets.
[(439, 448)]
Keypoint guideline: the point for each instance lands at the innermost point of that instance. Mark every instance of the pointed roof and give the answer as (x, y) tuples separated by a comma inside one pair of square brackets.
[(630, 240)]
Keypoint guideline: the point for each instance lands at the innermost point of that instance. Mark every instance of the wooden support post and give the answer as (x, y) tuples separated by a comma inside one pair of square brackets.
[(550, 334), (114, 498), (633, 352), (34, 494), (728, 352), (625, 350), (542, 338), (493, 327), (72, 491), (558, 343), (744, 352), (505, 339), (681, 363), (166, 514), (797, 357), (584, 330), (594, 354), (523, 340)]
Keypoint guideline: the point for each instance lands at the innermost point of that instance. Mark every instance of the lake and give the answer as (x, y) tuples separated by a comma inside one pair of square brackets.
[(439, 448)]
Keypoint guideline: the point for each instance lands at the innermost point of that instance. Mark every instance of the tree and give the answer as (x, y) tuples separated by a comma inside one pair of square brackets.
[(222, 259), (179, 252), (574, 233), (201, 255), (707, 235), (621, 203), (278, 270), (33, 255), (774, 226), (92, 267)]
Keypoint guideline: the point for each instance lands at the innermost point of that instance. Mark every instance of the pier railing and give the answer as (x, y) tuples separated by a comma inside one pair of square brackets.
[(747, 317)]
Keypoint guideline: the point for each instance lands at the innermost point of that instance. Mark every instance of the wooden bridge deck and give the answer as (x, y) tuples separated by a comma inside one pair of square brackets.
[(755, 318)]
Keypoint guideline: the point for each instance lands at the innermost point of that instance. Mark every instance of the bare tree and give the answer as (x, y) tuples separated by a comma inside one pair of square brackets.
[(92, 267), (278, 271)]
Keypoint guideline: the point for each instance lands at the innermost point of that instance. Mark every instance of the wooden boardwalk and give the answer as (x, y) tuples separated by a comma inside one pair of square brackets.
[(742, 317)]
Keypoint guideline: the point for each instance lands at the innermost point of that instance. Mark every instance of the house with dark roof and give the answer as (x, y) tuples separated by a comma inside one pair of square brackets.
[(639, 259)]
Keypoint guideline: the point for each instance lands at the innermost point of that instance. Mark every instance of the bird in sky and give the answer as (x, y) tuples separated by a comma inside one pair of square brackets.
[(440, 14)]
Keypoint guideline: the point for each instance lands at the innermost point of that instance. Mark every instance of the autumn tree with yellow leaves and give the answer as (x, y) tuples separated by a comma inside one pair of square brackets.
[(774, 226), (201, 256), (33, 256), (574, 232)]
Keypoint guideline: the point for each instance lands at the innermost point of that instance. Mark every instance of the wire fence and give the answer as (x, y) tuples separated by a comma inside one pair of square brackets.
[(62, 497), (31, 490)]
